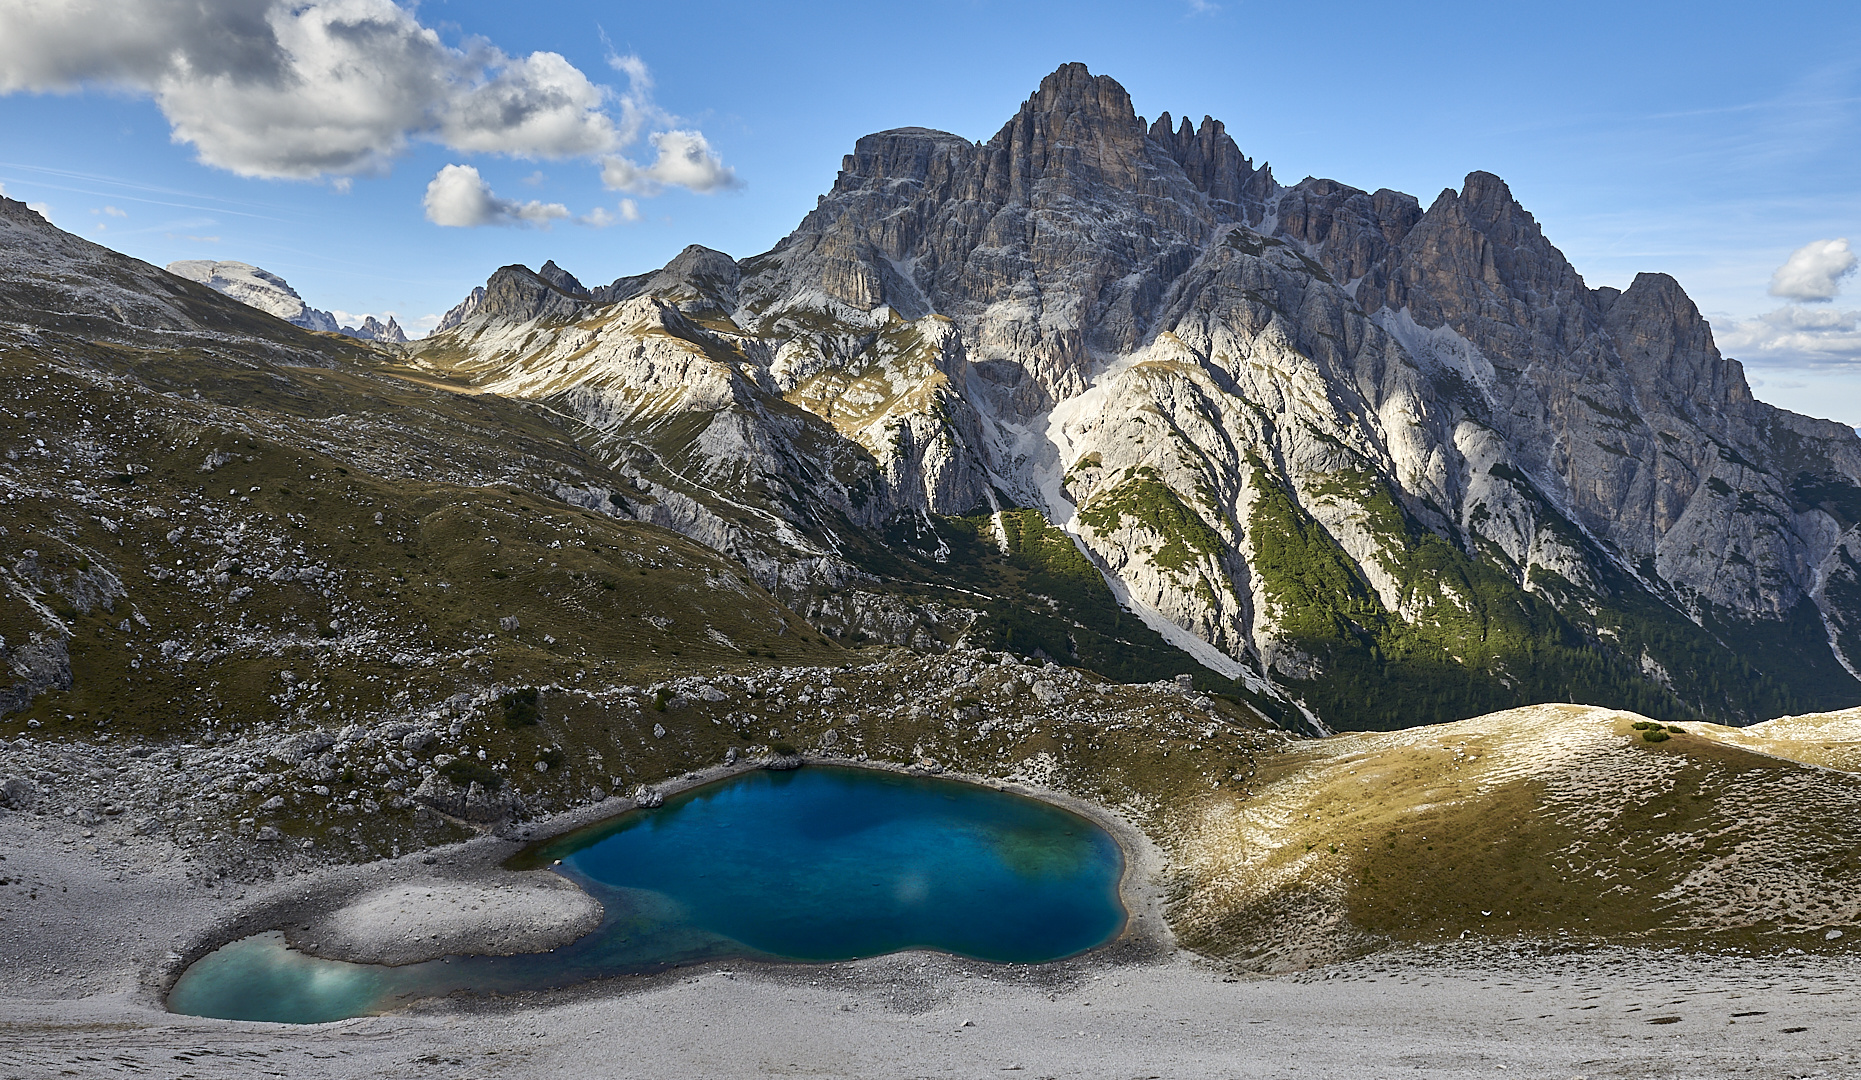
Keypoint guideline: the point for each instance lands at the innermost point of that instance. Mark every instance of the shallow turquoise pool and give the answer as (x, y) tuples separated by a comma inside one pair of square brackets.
[(812, 865)]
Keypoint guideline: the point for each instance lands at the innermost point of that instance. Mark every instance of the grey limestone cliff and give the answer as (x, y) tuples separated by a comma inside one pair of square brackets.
[(1390, 463)]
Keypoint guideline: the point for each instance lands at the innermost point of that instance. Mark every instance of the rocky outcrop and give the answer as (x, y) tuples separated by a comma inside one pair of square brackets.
[(373, 329), (18, 794), (517, 294), (42, 663), (460, 311), (473, 803)]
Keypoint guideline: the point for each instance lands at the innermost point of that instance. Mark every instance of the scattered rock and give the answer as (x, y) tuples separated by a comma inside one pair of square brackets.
[(18, 794), (293, 749)]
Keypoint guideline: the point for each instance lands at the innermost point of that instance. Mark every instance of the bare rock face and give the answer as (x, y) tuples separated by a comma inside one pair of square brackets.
[(41, 663), (1322, 438), (255, 288), (273, 295)]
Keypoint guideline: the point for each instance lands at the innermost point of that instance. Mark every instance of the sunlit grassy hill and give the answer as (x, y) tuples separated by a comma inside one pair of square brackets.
[(1553, 822)]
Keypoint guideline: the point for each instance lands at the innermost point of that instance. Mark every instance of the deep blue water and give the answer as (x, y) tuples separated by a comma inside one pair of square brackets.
[(816, 864)]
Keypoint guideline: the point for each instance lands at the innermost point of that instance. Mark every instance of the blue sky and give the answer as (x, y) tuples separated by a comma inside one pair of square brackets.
[(1710, 141)]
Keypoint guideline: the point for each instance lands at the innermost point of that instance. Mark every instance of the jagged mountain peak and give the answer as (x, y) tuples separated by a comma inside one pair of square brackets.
[(516, 293), (374, 329), (1318, 436), (561, 279)]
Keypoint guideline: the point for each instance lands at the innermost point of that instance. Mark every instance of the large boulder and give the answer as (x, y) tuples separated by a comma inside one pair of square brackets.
[(18, 794)]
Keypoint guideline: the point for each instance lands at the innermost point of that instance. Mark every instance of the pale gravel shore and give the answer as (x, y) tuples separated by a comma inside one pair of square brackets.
[(85, 966), (921, 1015), (416, 920)]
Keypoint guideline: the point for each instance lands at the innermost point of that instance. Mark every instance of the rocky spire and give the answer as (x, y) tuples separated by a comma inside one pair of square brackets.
[(1078, 130), (1216, 166)]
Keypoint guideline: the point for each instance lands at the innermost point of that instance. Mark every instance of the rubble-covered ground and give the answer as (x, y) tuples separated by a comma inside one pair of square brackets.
[(279, 798)]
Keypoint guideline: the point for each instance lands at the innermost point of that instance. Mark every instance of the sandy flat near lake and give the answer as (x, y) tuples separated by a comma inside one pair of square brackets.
[(1603, 1015)]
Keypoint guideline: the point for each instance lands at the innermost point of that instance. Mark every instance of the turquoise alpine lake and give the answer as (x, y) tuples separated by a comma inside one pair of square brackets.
[(818, 864)]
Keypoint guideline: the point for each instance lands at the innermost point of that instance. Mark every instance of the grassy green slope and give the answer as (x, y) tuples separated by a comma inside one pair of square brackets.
[(1471, 640), (1551, 823), (409, 513)]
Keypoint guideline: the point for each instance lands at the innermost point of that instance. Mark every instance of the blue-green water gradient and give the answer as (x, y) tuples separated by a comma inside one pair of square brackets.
[(812, 865)]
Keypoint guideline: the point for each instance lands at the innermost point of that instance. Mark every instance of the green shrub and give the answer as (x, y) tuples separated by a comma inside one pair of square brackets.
[(1645, 725), (464, 771), (1656, 735), (1676, 730), (520, 708), (660, 697)]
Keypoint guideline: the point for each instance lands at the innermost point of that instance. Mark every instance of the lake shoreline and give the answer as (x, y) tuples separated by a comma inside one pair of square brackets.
[(312, 913)]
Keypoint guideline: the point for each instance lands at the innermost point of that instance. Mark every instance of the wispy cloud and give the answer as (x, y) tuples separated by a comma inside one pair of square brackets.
[(1797, 335), (1808, 333), (684, 160)]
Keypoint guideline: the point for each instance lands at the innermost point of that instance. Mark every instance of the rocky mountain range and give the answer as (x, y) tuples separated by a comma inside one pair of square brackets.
[(1379, 462), (270, 293)]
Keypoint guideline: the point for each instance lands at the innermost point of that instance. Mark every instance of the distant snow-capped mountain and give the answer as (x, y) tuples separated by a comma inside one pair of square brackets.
[(270, 293)]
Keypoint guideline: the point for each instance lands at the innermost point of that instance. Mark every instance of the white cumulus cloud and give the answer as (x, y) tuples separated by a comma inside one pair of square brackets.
[(1814, 271), (307, 88), (685, 159), (459, 197)]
